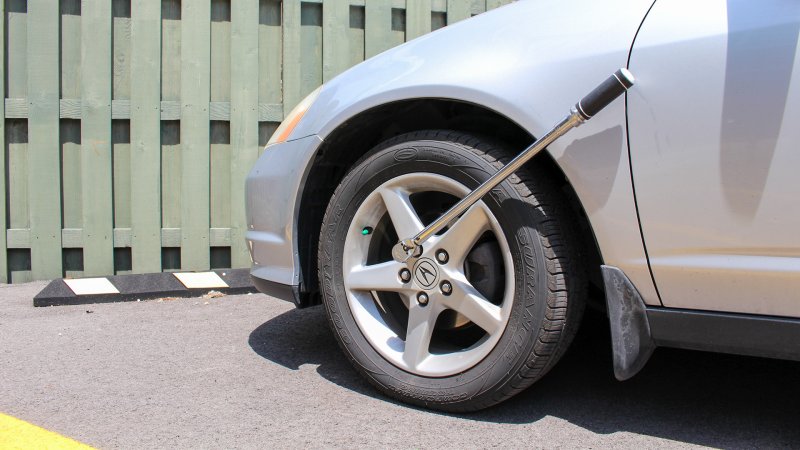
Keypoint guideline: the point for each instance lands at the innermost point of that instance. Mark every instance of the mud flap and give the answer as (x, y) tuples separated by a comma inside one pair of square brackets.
[(631, 341)]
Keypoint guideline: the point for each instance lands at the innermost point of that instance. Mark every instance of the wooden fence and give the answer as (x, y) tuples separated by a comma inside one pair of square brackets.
[(130, 125)]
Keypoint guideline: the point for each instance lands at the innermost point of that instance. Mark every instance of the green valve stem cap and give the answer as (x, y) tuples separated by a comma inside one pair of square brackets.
[(366, 231)]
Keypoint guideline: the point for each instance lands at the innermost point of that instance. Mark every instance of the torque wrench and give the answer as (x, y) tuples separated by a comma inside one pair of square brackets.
[(585, 109)]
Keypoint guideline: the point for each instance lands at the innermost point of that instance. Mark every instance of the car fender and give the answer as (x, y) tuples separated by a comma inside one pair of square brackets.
[(529, 61)]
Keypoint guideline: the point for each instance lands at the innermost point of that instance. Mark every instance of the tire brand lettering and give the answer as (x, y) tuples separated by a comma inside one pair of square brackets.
[(405, 154)]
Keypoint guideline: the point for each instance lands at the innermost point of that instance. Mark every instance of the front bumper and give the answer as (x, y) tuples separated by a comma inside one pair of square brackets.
[(272, 191)]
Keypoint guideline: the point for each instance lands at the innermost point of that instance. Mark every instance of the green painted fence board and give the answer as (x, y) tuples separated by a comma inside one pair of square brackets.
[(16, 46), (171, 161), (310, 53), (418, 18), (397, 35), (122, 78), (96, 187), (121, 25), (270, 52), (220, 173), (71, 191), (220, 133), (355, 36), (458, 10), (491, 4), (70, 137), (70, 130), (195, 130), (221, 50), (70, 49), (292, 81), (145, 128), (171, 50), (335, 25), (245, 40), (377, 27), (17, 153), (171, 174), (121, 156), (44, 176), (3, 260)]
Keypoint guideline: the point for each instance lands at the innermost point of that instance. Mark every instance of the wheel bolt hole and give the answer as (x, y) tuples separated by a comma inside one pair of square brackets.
[(422, 298), (446, 287), (442, 257)]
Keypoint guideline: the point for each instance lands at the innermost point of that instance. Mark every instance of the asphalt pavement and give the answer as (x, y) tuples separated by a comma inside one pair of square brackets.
[(250, 371)]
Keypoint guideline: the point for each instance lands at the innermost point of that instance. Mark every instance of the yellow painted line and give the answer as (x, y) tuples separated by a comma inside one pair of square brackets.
[(17, 434)]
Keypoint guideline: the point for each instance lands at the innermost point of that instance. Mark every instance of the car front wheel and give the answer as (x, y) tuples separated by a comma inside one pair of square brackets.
[(492, 301)]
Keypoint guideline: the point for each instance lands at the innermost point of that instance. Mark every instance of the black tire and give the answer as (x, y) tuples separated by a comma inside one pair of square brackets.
[(549, 284)]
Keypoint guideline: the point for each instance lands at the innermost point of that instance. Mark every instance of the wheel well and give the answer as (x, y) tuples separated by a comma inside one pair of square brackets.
[(350, 141)]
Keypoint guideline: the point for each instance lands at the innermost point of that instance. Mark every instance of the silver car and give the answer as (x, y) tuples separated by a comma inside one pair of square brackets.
[(678, 206)]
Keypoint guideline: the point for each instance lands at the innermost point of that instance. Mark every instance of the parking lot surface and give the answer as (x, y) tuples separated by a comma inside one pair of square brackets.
[(251, 372)]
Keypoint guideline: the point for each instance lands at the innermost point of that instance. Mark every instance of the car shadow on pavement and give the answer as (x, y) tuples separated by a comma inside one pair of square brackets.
[(693, 397), (302, 336)]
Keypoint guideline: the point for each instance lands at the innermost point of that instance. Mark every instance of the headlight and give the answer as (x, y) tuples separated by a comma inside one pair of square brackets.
[(291, 121)]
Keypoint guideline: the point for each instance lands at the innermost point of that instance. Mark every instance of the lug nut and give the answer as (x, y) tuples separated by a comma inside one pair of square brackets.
[(446, 287), (422, 298), (442, 256), (405, 275)]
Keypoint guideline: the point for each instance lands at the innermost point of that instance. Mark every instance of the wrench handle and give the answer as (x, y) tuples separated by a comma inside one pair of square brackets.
[(605, 93)]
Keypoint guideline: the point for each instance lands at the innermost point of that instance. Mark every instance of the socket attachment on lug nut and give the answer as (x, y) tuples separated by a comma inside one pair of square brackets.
[(405, 275), (422, 298), (442, 257), (446, 287)]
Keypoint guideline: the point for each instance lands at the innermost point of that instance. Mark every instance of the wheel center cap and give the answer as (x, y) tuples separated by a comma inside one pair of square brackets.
[(425, 273)]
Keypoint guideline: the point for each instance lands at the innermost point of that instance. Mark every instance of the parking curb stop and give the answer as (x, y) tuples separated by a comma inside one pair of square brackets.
[(122, 288)]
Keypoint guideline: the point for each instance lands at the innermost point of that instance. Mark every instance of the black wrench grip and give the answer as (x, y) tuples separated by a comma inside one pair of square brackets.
[(605, 93)]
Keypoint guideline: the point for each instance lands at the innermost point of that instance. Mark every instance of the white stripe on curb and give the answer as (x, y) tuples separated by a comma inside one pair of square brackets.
[(200, 280), (91, 286)]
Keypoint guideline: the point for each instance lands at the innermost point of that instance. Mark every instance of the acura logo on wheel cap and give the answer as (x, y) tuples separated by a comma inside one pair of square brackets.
[(425, 273)]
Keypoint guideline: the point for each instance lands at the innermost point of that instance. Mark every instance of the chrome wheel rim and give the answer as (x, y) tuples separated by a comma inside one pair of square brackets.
[(438, 301)]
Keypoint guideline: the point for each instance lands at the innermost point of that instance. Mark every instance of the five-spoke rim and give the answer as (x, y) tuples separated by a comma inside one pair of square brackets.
[(427, 286)]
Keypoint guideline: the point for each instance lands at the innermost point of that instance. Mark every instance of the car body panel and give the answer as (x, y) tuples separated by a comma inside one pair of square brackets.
[(713, 132), (272, 191), (529, 61)]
